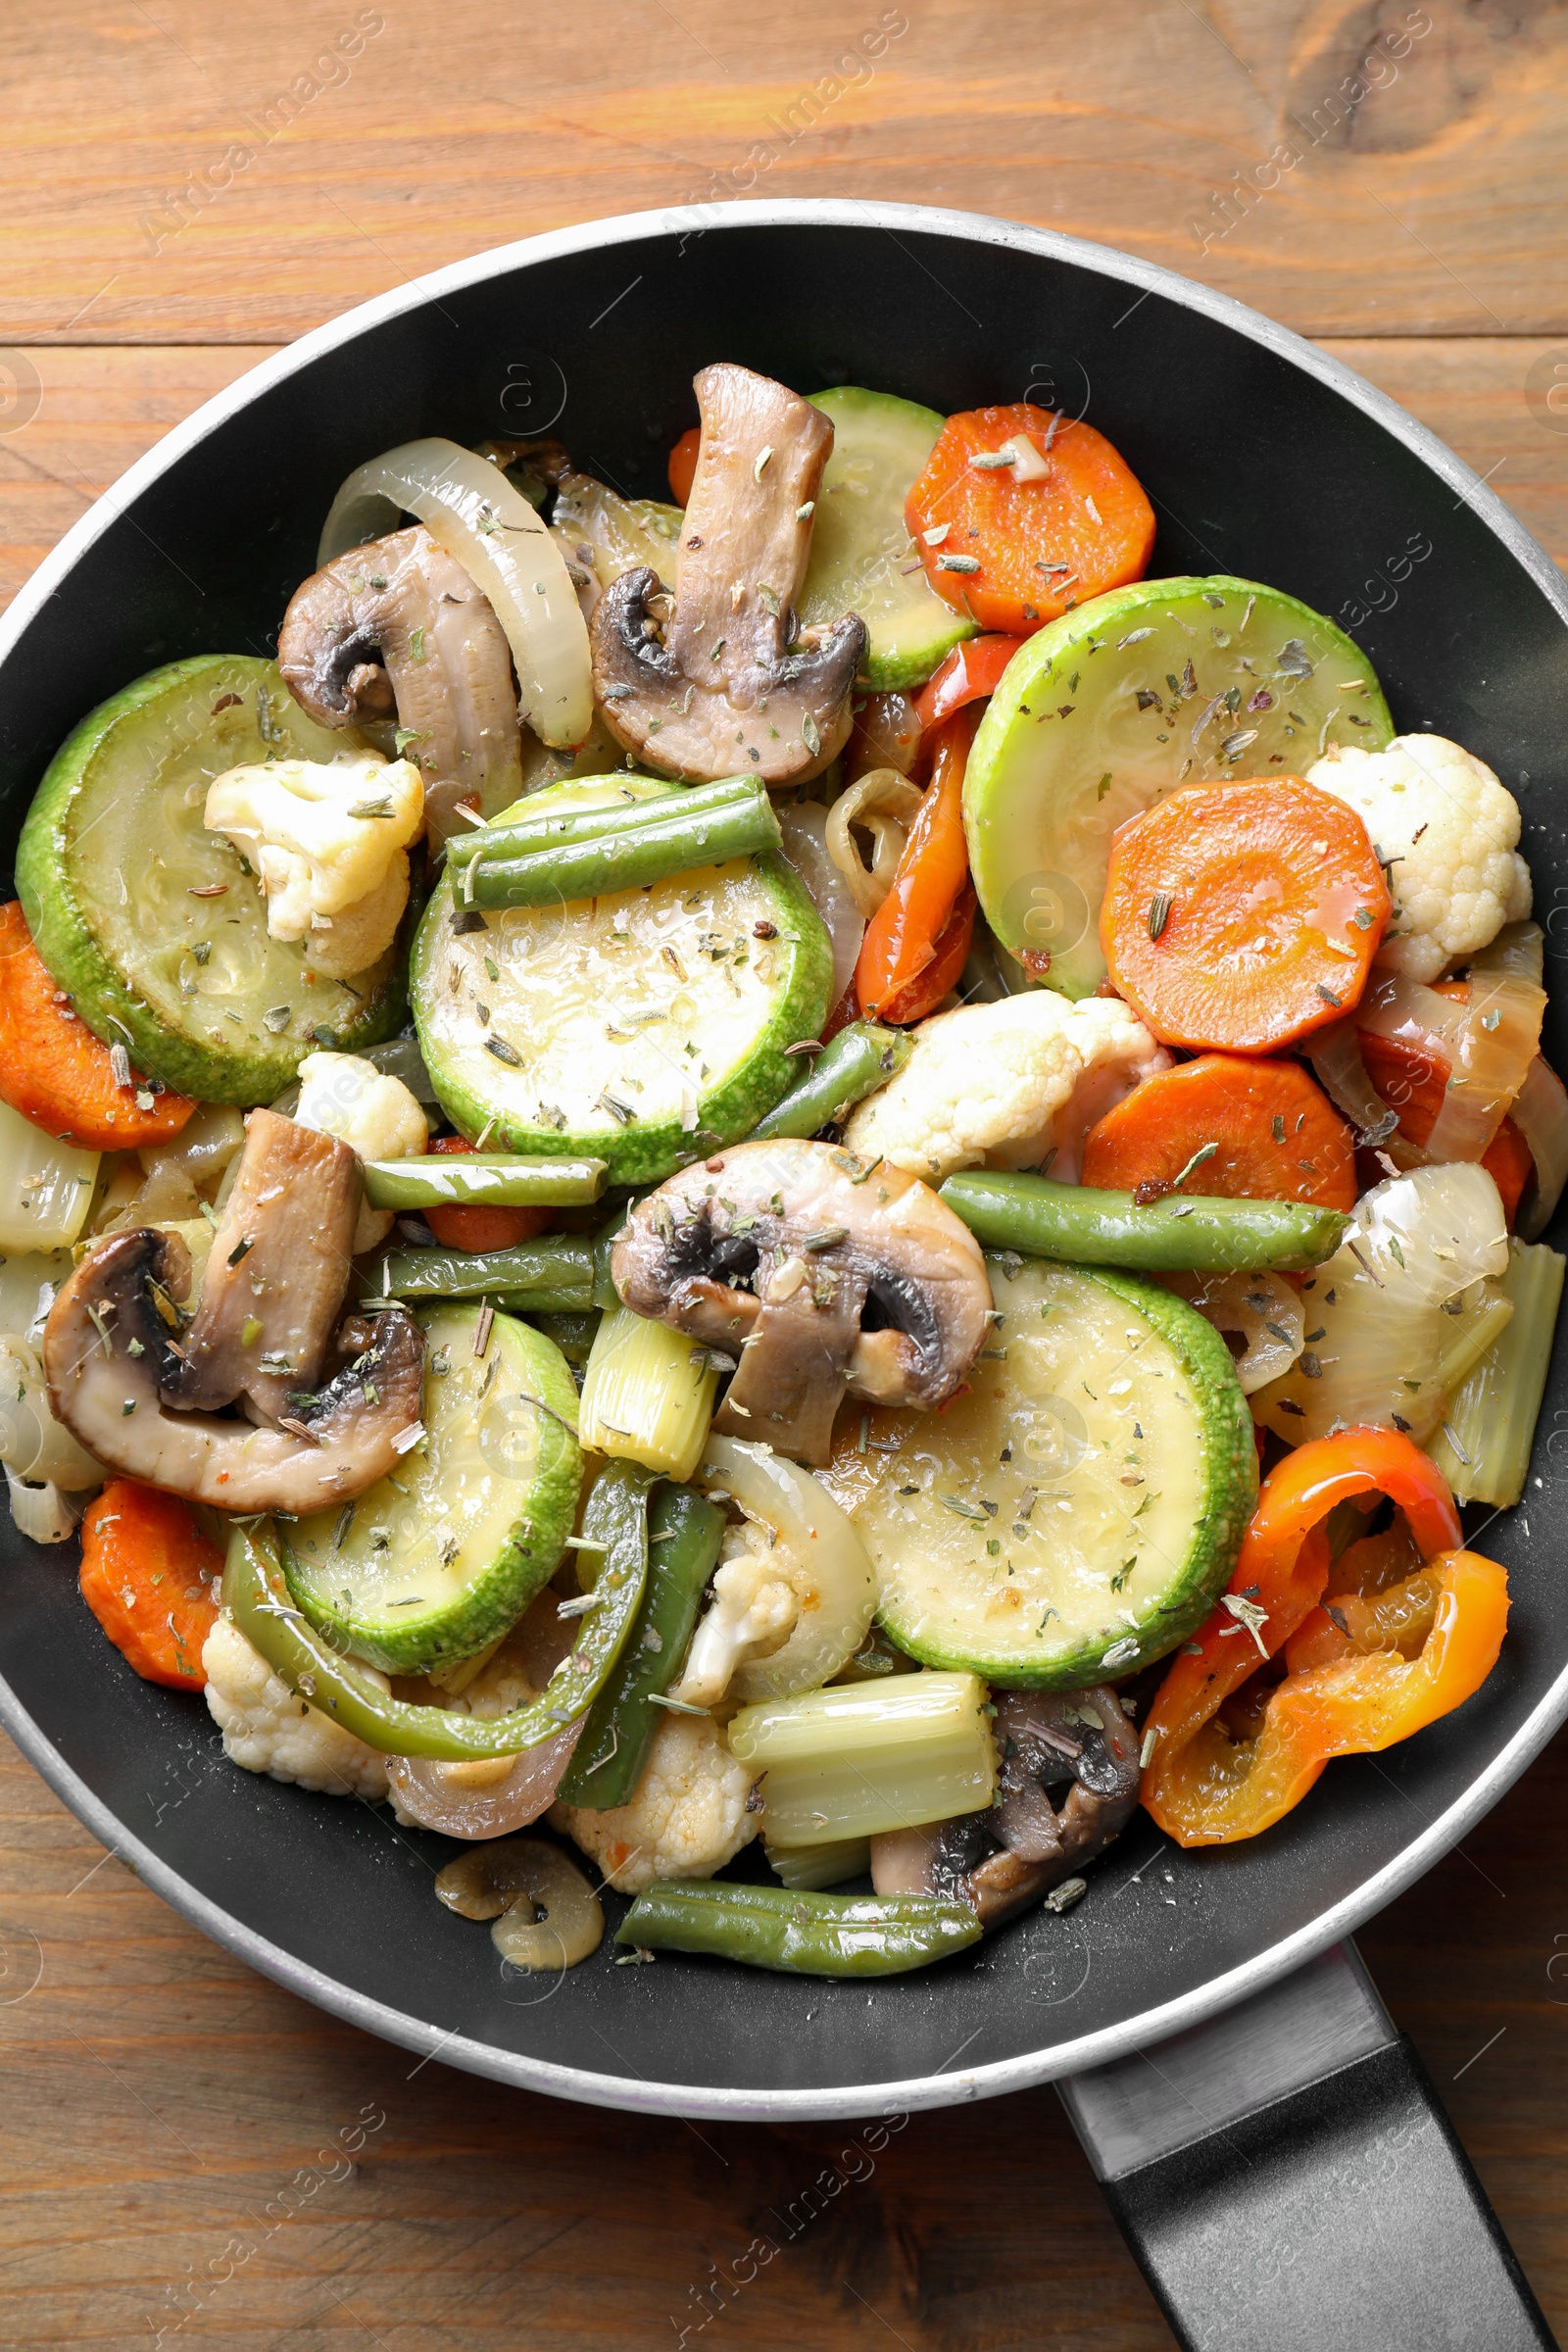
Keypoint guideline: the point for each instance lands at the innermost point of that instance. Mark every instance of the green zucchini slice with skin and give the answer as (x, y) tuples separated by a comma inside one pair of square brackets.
[(645, 1029), (1077, 1514), (1155, 685), (863, 558), (437, 1560), (112, 858)]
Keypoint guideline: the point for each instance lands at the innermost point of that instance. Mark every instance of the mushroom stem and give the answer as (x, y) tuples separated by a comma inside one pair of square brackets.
[(734, 684)]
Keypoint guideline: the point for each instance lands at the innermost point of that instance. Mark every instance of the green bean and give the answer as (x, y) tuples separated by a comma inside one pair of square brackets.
[(606, 1296), (257, 1595), (1179, 1234), (627, 858), (555, 1274), (572, 1331), (796, 1932), (546, 827), (861, 1057), (484, 1179), (684, 1530)]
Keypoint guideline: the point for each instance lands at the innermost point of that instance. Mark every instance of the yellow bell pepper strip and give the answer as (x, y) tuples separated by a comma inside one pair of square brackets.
[(258, 1598), (1202, 1786)]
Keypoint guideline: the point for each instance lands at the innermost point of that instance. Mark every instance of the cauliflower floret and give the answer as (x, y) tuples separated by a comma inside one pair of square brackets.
[(329, 840), (266, 1729), (375, 1115), (1001, 1085), (686, 1820), (753, 1611), (1448, 826)]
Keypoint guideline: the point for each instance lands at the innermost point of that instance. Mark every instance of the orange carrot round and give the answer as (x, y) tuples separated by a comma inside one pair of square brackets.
[(683, 465), (55, 1071), (1259, 1130), (150, 1577), (1238, 917), (914, 934), (1014, 553), (478, 1229)]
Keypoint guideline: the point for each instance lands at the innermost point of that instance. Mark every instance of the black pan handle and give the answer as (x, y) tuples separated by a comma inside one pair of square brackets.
[(1286, 2176)]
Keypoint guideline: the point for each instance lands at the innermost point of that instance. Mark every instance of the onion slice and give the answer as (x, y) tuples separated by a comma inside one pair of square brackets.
[(486, 524), (42, 1513), (820, 1552), (884, 805), (474, 1800), (1540, 1115), (1334, 1054), (806, 847)]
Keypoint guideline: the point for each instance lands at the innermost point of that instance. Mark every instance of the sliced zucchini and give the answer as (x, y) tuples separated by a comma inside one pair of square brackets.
[(643, 1029), (1119, 702), (862, 558), (437, 1560), (153, 925), (1076, 1513)]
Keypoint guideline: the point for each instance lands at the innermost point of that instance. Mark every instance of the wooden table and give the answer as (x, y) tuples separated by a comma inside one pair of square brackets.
[(186, 185)]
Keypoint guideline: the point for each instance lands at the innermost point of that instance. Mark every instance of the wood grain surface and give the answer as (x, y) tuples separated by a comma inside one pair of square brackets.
[(191, 2150)]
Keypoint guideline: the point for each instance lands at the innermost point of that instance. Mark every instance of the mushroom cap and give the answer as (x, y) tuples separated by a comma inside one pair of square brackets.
[(733, 684), (401, 621), (107, 1356), (861, 1280)]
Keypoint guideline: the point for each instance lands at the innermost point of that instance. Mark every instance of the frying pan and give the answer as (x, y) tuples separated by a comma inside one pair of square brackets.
[(1280, 2166)]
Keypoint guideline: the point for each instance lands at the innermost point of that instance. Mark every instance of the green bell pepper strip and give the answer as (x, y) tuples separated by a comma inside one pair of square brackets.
[(861, 1057), (546, 827), (1182, 1233), (555, 1274), (256, 1596), (796, 1933), (684, 1532), (629, 858), (486, 1178)]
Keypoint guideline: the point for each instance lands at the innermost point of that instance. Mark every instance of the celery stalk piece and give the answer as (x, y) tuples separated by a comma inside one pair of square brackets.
[(46, 1188), (1468, 1334), (1482, 1449), (817, 1866), (648, 1395), (863, 1758)]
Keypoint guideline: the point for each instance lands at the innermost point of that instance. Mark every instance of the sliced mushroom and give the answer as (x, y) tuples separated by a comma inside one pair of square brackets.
[(399, 626), (276, 1276), (732, 683), (1004, 1860), (547, 1917), (108, 1354), (824, 1275)]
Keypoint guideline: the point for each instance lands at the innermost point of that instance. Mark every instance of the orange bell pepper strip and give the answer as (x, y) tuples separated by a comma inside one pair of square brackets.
[(151, 1579), (970, 672), (56, 1072), (1205, 1789), (912, 935)]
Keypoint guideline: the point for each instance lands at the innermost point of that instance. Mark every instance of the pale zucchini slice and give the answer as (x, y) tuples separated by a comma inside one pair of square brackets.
[(644, 1028), (438, 1560), (153, 925), (863, 558), (1159, 684), (1076, 1514)]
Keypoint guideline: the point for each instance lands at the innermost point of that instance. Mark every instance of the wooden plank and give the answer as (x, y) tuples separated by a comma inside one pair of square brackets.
[(1422, 194)]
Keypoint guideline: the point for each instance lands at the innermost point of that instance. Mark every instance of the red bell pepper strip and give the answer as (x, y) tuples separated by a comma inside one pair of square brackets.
[(1205, 1789), (917, 917), (970, 671)]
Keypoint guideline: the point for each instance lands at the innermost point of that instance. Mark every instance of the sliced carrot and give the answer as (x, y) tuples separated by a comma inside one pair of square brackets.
[(1413, 1084), (970, 672), (150, 1577), (1246, 1130), (55, 1071), (683, 465), (912, 929), (1238, 917), (1013, 555), (477, 1229)]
